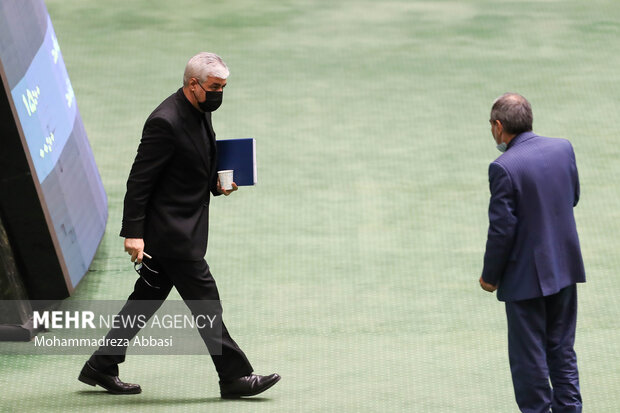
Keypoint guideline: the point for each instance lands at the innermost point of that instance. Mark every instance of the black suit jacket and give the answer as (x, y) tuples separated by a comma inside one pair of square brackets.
[(169, 186)]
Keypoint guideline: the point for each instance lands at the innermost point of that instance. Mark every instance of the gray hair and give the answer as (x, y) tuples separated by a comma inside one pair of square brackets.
[(514, 112), (205, 64)]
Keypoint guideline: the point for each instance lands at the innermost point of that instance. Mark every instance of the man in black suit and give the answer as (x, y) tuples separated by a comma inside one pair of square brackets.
[(166, 211)]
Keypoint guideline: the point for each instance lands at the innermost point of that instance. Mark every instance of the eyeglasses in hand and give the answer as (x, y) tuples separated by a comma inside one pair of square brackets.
[(139, 267)]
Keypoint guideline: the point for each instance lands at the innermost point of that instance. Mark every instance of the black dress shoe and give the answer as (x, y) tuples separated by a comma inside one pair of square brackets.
[(111, 383), (247, 385)]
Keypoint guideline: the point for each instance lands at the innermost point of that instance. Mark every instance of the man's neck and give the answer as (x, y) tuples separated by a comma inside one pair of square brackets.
[(190, 97)]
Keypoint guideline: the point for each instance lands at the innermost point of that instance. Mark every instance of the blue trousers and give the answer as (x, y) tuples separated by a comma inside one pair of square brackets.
[(541, 336)]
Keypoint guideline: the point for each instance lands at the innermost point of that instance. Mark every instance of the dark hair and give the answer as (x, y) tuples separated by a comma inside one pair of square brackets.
[(514, 112)]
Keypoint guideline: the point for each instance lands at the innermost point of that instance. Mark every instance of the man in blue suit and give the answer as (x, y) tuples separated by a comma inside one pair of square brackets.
[(533, 258)]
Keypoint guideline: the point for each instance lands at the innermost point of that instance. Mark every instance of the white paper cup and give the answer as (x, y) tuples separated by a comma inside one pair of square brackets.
[(226, 179)]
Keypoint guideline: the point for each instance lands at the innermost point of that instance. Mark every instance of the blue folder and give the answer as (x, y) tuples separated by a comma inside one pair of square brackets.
[(240, 156)]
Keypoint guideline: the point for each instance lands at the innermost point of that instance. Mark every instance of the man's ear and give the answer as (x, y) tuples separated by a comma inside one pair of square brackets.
[(499, 127)]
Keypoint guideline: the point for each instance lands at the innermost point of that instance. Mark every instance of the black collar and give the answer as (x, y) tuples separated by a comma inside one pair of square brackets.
[(189, 108)]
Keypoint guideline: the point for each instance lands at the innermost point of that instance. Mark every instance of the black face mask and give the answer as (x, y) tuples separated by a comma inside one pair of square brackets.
[(212, 101)]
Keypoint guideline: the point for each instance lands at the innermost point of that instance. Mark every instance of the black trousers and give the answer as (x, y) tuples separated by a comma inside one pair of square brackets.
[(194, 282)]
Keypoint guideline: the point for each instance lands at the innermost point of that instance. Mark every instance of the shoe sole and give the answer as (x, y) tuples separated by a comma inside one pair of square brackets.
[(87, 380), (91, 382), (238, 396)]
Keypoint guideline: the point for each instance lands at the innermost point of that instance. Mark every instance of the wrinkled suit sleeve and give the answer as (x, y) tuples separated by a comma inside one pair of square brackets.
[(213, 185), (502, 224), (155, 150)]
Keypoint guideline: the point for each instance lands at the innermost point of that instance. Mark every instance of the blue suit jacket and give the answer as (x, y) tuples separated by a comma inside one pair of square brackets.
[(532, 247)]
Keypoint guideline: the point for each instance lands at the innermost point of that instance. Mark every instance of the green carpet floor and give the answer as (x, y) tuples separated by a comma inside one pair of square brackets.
[(352, 267)]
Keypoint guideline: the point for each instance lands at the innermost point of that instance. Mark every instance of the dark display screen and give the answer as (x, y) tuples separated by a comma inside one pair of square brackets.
[(52, 135)]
